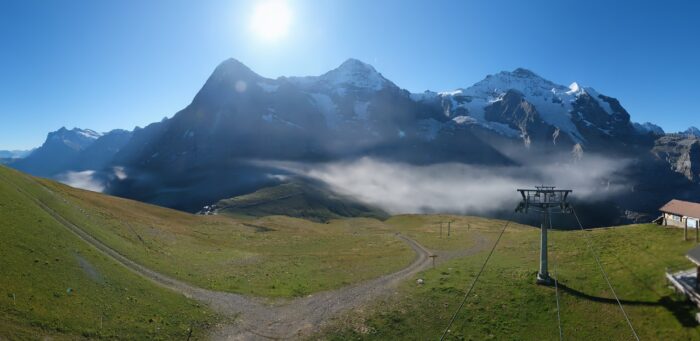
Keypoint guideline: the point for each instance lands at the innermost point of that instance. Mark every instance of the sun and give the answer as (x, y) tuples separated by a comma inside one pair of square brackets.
[(271, 20)]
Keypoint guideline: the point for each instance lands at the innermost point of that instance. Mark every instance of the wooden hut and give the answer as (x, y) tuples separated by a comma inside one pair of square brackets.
[(682, 214)]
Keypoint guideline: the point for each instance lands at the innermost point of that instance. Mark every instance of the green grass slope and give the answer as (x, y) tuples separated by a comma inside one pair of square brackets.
[(506, 304), (55, 286), (272, 256), (297, 199)]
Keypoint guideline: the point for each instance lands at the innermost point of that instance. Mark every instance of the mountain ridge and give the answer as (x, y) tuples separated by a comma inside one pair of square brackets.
[(201, 153)]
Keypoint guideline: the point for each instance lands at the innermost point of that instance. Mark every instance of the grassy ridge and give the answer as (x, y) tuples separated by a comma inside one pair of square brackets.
[(53, 284), (506, 304), (270, 256), (297, 199)]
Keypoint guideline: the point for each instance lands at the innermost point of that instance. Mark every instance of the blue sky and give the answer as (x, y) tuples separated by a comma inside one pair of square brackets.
[(119, 64)]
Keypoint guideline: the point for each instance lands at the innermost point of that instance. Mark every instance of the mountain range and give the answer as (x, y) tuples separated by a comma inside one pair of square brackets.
[(212, 148), (14, 154)]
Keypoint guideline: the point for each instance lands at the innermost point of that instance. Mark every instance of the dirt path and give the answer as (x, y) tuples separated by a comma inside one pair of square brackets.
[(283, 319)]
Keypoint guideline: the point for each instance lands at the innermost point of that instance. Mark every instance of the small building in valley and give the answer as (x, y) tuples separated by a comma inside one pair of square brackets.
[(681, 213)]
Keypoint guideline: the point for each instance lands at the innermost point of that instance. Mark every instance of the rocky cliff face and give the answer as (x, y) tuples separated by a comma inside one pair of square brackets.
[(519, 114), (681, 153)]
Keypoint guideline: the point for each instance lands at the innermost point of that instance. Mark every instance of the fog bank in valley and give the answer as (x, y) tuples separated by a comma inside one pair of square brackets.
[(460, 188)]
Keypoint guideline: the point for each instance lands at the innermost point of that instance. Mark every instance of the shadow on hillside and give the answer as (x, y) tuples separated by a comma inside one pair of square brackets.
[(684, 311)]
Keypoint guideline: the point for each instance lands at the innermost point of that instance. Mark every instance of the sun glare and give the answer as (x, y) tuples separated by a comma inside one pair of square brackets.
[(271, 19)]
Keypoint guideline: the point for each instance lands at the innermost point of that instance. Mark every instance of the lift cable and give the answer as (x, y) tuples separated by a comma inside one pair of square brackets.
[(605, 275), (556, 290), (464, 300)]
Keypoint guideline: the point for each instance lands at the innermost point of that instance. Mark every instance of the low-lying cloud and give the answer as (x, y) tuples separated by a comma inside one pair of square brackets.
[(84, 179), (461, 188), (92, 180)]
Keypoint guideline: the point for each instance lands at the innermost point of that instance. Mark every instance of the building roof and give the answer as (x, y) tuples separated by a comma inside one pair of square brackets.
[(680, 207), (694, 255)]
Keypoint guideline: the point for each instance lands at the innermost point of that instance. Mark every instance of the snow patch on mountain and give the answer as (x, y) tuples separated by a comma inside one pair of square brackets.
[(328, 108), (464, 120), (271, 117), (88, 133), (64, 134), (576, 90), (498, 127), (553, 102), (352, 74)]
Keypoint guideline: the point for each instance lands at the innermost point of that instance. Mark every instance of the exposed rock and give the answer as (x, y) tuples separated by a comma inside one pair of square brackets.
[(520, 115), (681, 152)]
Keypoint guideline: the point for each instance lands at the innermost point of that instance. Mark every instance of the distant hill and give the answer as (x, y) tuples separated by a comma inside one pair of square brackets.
[(295, 199), (14, 154)]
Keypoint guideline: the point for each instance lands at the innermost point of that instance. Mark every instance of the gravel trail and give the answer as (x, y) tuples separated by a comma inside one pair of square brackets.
[(260, 319)]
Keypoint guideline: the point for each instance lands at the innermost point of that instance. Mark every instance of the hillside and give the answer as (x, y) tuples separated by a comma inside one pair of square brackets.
[(340, 276), (506, 304), (296, 199), (268, 256), (55, 286)]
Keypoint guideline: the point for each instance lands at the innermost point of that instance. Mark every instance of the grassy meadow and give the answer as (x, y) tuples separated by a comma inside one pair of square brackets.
[(272, 256), (506, 304), (54, 286)]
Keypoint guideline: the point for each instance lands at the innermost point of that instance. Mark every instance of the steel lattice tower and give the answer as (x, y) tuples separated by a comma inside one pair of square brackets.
[(545, 200)]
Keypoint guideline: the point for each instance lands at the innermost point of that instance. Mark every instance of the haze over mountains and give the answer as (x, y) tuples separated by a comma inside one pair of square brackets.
[(243, 132)]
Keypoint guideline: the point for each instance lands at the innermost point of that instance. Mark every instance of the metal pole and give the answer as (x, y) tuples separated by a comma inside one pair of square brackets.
[(543, 275), (544, 199)]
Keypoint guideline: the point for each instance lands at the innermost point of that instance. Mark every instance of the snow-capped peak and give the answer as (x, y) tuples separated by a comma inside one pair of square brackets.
[(84, 133), (574, 87), (352, 73), (524, 73), (356, 65), (75, 138), (355, 73), (553, 102), (88, 133)]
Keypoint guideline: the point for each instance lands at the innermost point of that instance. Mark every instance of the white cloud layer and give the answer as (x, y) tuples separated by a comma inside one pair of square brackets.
[(460, 188), (85, 180)]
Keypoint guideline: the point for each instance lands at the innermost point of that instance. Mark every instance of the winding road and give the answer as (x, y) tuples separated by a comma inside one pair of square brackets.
[(256, 319)]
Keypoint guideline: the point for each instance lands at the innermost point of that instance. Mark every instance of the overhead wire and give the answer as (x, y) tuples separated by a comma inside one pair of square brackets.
[(605, 275), (556, 289), (483, 266)]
